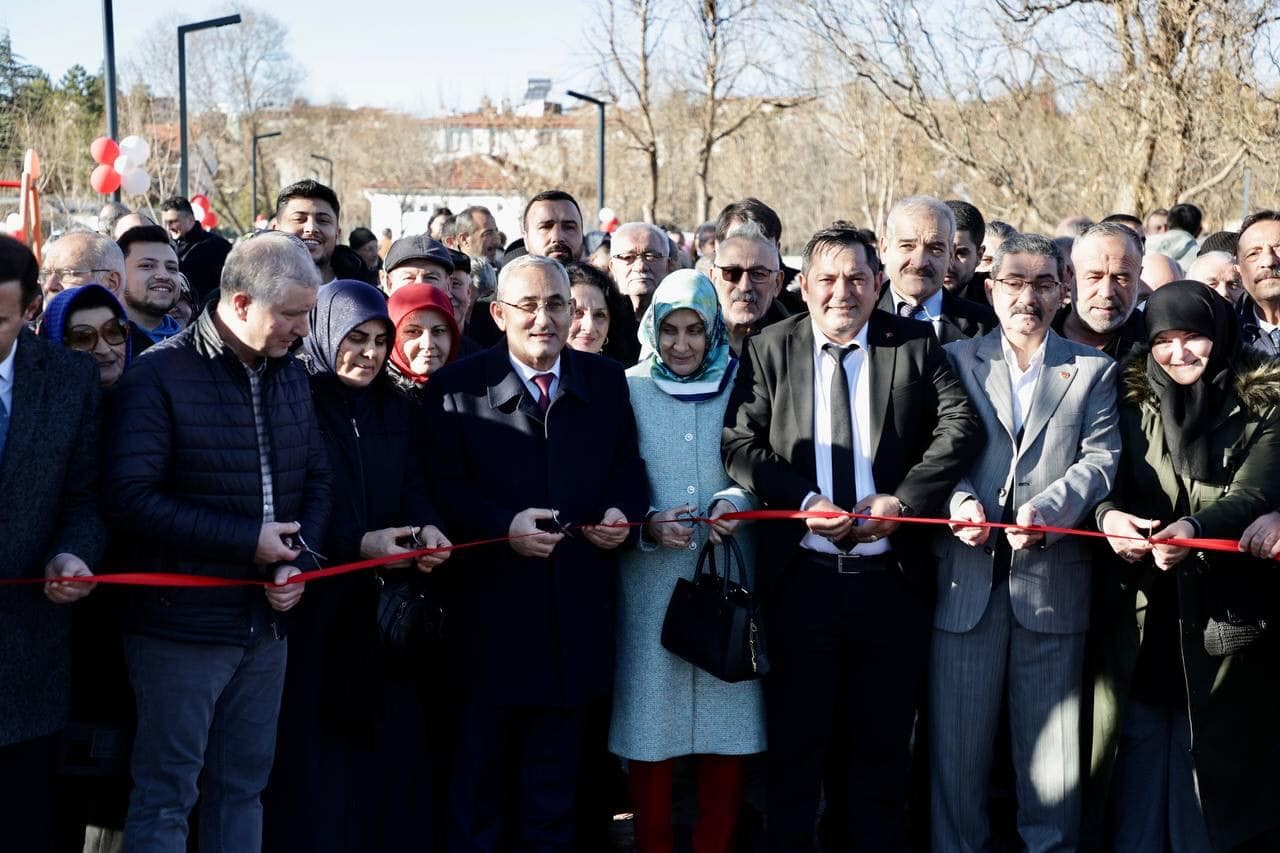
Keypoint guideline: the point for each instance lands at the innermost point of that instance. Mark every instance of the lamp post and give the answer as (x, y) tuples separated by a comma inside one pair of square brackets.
[(253, 189), (325, 159), (600, 144), (182, 89), (109, 74)]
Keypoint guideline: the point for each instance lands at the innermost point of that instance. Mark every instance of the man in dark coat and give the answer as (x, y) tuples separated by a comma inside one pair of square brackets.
[(201, 253), (1258, 263), (845, 408), (530, 435), (1104, 293), (215, 466), (50, 528), (918, 246)]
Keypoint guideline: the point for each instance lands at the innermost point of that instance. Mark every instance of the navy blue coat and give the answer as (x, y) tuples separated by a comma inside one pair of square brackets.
[(534, 631), (185, 488), (48, 496)]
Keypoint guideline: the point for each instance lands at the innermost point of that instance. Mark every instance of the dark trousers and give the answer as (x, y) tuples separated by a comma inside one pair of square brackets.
[(514, 778), (850, 658), (27, 773)]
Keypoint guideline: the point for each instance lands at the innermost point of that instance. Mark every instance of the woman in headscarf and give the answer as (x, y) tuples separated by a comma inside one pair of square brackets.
[(1186, 699), (663, 706), (90, 319), (426, 336), (353, 767)]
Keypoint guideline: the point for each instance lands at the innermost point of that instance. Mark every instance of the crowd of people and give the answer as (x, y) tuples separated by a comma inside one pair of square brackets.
[(536, 440)]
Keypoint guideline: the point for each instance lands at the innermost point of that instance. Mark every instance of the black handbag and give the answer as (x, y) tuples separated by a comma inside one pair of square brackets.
[(409, 618), (711, 620)]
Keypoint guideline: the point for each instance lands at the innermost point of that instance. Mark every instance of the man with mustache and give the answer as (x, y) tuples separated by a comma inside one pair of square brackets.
[(150, 280), (1108, 264), (552, 225), (1013, 605), (1258, 263), (918, 246), (747, 273)]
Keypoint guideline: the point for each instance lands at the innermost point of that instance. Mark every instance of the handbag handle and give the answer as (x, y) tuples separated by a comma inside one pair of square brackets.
[(732, 550), (708, 554)]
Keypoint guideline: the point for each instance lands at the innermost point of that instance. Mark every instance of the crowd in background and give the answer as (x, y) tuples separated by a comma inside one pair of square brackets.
[(597, 407)]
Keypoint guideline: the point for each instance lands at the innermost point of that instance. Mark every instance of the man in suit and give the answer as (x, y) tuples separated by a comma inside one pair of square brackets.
[(846, 408), (1013, 605), (531, 435), (50, 528), (918, 245)]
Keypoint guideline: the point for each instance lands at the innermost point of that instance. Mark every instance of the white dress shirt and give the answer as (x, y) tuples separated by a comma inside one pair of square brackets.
[(824, 367), (932, 307), (1022, 382), (526, 373), (6, 379)]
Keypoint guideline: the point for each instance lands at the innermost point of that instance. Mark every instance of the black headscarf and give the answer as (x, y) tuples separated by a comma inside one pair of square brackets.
[(341, 306), (1187, 411)]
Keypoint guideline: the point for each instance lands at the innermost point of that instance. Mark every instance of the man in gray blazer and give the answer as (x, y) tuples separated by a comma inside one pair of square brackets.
[(1013, 605)]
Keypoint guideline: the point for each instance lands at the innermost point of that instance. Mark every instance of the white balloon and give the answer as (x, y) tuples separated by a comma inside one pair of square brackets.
[(135, 182), (198, 211), (137, 149), (124, 165), (13, 223)]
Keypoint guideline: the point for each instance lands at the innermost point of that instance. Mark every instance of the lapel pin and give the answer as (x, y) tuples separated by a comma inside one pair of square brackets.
[(1066, 374)]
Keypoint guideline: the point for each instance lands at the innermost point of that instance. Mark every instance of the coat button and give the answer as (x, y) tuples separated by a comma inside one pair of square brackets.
[(693, 546), (691, 489), (688, 436)]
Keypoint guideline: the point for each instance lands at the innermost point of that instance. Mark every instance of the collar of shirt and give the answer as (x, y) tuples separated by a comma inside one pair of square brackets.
[(1266, 327), (526, 374), (1034, 364), (932, 306), (6, 377), (819, 340)]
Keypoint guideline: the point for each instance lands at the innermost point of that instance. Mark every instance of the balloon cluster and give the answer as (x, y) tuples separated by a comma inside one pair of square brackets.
[(202, 210), (120, 166)]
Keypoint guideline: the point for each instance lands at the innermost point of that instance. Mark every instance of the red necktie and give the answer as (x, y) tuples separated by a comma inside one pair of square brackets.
[(543, 381)]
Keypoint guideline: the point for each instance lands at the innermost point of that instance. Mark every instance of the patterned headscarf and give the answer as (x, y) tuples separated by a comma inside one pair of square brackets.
[(692, 290)]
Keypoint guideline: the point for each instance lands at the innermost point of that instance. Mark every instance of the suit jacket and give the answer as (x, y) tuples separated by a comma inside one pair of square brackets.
[(1065, 465), (48, 506), (961, 318), (533, 631), (923, 430)]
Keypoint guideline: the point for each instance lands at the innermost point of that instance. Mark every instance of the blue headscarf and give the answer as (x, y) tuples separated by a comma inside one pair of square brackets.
[(53, 325), (341, 306), (692, 290)]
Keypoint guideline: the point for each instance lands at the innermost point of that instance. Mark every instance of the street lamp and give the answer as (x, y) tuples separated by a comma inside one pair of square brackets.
[(182, 88), (109, 73), (325, 159), (600, 149), (253, 189)]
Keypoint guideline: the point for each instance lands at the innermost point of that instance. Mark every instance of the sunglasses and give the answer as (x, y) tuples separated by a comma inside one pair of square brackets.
[(85, 338), (758, 275)]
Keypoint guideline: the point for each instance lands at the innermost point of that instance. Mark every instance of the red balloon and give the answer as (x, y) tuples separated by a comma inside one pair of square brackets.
[(202, 200), (105, 151), (105, 179), (210, 220)]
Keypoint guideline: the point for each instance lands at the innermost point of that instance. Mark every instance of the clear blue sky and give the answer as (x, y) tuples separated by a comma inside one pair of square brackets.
[(426, 57)]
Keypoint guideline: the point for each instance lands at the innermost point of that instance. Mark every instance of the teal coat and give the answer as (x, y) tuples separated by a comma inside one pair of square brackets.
[(662, 706)]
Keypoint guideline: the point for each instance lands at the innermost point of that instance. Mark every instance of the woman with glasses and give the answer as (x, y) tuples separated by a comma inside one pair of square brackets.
[(603, 322), (353, 763), (89, 319), (1186, 698), (663, 706), (426, 336)]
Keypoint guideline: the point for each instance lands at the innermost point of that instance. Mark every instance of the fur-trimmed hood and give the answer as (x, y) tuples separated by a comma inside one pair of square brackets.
[(1257, 382)]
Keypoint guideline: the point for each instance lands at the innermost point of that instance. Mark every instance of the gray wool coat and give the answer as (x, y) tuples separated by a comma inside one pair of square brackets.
[(48, 506), (663, 706)]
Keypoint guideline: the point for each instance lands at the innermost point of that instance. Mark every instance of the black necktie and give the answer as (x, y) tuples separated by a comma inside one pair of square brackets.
[(844, 485), (909, 311)]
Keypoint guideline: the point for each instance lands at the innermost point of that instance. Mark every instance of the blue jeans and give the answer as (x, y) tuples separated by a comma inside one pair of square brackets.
[(202, 707)]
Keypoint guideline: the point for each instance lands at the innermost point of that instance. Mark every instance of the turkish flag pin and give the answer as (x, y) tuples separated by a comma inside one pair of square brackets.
[(1066, 374)]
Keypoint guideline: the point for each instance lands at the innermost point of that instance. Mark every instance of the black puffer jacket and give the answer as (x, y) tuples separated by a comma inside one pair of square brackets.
[(182, 473)]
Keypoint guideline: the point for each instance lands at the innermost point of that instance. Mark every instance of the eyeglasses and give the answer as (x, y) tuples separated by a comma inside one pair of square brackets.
[(629, 258), (85, 338), (758, 275), (555, 306), (45, 275), (1040, 288)]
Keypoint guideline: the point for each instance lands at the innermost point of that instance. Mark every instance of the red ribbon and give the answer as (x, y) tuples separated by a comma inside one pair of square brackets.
[(174, 579)]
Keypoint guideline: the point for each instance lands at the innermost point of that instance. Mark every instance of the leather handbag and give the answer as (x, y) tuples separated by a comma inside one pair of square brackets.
[(409, 618), (711, 620)]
